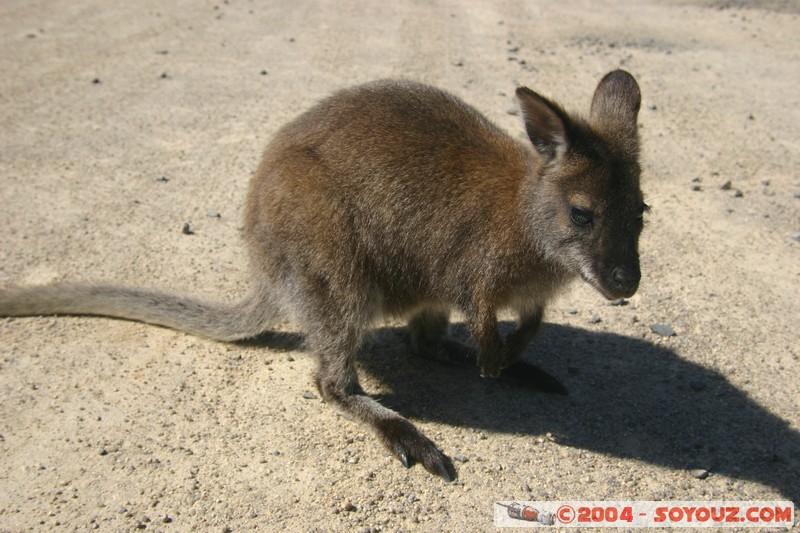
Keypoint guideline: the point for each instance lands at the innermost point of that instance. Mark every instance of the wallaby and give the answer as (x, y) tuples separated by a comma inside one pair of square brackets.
[(394, 198)]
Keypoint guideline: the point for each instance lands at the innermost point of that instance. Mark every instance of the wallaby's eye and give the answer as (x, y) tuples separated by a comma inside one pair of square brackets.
[(581, 217)]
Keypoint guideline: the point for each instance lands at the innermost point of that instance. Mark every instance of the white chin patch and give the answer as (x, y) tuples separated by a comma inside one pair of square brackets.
[(587, 273), (590, 277)]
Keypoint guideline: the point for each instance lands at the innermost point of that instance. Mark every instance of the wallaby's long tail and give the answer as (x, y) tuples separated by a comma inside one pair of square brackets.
[(225, 322)]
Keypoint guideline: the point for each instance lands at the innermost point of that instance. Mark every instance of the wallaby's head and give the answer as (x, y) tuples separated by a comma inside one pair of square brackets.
[(587, 207)]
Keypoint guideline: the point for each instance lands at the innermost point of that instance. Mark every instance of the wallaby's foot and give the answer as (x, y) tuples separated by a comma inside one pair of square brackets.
[(411, 447), (338, 384)]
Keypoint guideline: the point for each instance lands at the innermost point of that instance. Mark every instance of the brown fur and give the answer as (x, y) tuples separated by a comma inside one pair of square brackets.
[(395, 198)]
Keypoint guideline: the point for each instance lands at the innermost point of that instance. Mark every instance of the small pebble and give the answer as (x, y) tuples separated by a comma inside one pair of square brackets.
[(662, 329), (653, 107), (738, 193), (596, 319), (513, 111), (619, 301), (349, 507), (726, 186), (213, 214), (264, 72), (96, 81), (187, 229), (309, 395), (460, 458), (697, 187), (700, 473), (797, 194), (162, 178)]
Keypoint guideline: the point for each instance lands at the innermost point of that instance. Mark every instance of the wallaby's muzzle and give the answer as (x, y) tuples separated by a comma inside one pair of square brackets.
[(625, 281)]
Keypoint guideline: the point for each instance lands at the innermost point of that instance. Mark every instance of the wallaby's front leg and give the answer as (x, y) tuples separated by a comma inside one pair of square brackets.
[(493, 354), (518, 340), (337, 382), (491, 351), (427, 331)]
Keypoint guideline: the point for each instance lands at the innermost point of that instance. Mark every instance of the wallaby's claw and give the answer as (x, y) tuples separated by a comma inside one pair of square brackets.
[(445, 469), (412, 447), (403, 456)]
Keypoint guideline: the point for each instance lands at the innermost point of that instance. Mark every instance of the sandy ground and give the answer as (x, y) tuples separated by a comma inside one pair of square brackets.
[(122, 121)]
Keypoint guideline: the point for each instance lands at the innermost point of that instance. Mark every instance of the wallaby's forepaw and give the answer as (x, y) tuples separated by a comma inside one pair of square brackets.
[(490, 364), (491, 372), (411, 447)]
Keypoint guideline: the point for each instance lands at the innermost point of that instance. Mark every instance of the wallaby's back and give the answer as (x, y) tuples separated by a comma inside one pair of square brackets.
[(411, 190)]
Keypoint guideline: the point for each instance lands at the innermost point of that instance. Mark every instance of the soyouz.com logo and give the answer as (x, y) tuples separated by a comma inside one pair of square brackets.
[(643, 514)]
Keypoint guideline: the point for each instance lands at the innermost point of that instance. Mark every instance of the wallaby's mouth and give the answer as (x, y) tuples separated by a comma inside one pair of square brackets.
[(616, 295), (622, 282)]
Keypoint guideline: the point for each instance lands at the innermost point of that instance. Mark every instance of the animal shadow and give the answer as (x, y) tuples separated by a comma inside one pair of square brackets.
[(625, 397)]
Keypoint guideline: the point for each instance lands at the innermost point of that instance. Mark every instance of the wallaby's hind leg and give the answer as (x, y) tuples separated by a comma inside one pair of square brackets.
[(338, 384)]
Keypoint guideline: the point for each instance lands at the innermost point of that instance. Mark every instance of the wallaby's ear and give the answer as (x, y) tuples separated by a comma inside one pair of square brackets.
[(616, 101), (545, 122)]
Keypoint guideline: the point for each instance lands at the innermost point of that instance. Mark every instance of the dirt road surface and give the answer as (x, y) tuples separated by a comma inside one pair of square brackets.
[(123, 121)]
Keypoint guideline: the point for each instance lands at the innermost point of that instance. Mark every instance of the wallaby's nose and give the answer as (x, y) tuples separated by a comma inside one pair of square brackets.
[(626, 278)]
